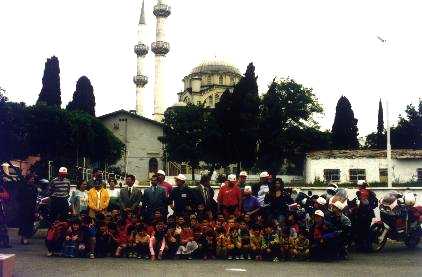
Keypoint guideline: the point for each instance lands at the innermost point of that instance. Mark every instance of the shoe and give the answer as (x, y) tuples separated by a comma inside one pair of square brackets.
[(237, 257), (249, 257), (139, 257), (275, 260), (242, 257), (49, 254), (92, 256), (189, 258), (230, 258)]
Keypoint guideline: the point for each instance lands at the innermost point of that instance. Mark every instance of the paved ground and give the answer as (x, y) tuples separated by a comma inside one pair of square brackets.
[(395, 260)]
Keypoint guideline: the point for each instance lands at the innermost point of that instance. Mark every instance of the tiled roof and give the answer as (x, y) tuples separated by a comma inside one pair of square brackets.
[(370, 154)]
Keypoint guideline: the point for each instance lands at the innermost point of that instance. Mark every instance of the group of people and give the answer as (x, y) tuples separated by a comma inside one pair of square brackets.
[(263, 221)]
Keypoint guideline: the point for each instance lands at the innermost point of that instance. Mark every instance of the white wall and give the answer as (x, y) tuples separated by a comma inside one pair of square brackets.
[(403, 170)]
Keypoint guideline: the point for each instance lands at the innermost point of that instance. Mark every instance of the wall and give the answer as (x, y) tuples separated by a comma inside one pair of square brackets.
[(143, 144), (403, 170)]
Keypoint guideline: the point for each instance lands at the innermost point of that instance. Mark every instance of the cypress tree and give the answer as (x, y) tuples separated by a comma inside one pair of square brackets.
[(83, 97), (380, 127), (345, 130), (50, 94)]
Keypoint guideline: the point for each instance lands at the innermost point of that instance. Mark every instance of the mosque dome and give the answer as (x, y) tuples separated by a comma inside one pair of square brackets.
[(215, 66)]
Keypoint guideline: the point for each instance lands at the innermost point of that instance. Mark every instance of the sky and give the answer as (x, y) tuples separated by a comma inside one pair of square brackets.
[(328, 45)]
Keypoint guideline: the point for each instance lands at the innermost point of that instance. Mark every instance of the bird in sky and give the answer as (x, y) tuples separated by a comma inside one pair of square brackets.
[(381, 39)]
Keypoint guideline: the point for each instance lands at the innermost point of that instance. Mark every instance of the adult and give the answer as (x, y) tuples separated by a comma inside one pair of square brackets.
[(263, 188), (250, 204), (161, 176), (242, 179), (229, 197), (181, 198), (4, 198), (366, 201), (79, 198), (330, 191), (130, 197), (204, 195), (114, 195), (154, 199), (278, 201), (98, 199), (59, 195), (96, 175), (27, 199)]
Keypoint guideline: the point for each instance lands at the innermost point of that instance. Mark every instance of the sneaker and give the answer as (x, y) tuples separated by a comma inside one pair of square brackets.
[(230, 258), (237, 257), (275, 260), (139, 257), (49, 254), (189, 257), (249, 257), (242, 257), (92, 256)]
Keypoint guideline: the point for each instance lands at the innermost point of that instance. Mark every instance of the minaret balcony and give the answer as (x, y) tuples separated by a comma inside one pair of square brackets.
[(141, 49), (140, 80), (162, 10), (160, 47)]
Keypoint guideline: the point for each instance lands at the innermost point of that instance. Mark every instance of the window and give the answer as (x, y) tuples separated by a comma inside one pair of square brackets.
[(220, 80), (419, 174), (209, 80), (332, 175), (383, 175), (153, 165), (357, 174)]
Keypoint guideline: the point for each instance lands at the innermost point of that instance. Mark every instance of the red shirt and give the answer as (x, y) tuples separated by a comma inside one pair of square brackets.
[(229, 196), (167, 187)]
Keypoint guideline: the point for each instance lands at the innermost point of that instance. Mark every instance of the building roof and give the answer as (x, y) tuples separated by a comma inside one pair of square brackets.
[(133, 115), (215, 67), (409, 154)]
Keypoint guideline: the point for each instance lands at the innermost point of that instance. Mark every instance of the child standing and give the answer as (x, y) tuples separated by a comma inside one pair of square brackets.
[(245, 241)]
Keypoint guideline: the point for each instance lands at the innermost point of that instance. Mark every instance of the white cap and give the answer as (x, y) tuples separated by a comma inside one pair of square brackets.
[(63, 169), (5, 165), (320, 213), (264, 174), (361, 182), (338, 205), (180, 177), (231, 177), (248, 188), (243, 173), (161, 172), (321, 200)]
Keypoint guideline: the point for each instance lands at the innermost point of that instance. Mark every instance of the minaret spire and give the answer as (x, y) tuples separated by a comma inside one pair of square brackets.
[(141, 50), (160, 48)]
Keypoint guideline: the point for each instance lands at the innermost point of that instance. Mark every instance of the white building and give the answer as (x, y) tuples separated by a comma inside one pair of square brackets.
[(345, 166), (140, 135)]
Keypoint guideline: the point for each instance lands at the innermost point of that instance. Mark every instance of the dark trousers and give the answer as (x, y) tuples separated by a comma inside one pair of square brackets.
[(59, 207)]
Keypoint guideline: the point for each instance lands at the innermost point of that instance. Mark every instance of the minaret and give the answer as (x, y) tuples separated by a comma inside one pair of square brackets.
[(141, 49), (160, 48)]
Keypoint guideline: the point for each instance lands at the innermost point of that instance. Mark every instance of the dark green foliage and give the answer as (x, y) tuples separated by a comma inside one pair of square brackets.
[(83, 97), (380, 127), (408, 133), (50, 94), (237, 115), (287, 128), (345, 130)]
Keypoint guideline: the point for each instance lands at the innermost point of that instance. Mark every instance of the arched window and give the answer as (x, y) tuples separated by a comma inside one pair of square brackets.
[(153, 165), (220, 80), (209, 79)]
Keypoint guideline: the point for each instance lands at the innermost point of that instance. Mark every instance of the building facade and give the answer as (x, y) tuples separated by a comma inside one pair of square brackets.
[(140, 135), (349, 166), (206, 83)]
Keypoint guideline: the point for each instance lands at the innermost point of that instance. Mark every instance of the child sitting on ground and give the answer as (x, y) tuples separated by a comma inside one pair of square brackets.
[(73, 245), (256, 241), (221, 237), (102, 241), (142, 242), (187, 243), (271, 243), (55, 237), (157, 243)]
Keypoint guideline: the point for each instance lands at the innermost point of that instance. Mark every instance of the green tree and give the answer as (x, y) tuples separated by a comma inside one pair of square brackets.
[(286, 124), (184, 134), (345, 130), (50, 94), (380, 127), (83, 97), (408, 132)]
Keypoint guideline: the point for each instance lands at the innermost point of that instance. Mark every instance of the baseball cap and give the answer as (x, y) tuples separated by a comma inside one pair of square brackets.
[(243, 173), (321, 200), (264, 174), (63, 170), (161, 172), (180, 177), (231, 177), (319, 213)]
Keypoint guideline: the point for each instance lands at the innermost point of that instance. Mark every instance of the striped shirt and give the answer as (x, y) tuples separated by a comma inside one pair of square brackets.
[(60, 188)]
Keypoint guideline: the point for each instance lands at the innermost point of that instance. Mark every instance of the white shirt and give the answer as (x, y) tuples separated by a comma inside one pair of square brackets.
[(263, 190)]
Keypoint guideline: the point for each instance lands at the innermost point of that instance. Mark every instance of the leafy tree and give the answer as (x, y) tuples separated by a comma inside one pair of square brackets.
[(184, 134), (345, 130), (237, 114), (286, 125), (50, 94), (83, 97), (408, 133)]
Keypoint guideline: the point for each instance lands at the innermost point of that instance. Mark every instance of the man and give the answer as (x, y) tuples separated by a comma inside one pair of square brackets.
[(161, 175), (229, 197), (59, 195), (98, 199), (242, 179), (263, 188), (130, 197), (154, 199), (330, 192), (204, 194), (181, 197)]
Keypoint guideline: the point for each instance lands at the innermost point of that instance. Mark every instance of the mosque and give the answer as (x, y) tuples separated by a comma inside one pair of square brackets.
[(203, 85)]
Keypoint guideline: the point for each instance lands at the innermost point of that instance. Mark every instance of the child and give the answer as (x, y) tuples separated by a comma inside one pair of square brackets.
[(221, 250), (102, 241), (73, 245), (142, 240), (245, 241), (4, 235), (131, 245), (172, 243), (88, 232), (256, 241), (286, 242), (233, 245), (209, 245), (55, 236), (187, 243), (157, 242), (271, 243), (317, 231), (300, 246), (122, 237)]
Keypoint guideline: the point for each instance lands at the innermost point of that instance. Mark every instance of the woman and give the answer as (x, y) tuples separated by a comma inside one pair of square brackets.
[(79, 198), (27, 199), (114, 195), (278, 200)]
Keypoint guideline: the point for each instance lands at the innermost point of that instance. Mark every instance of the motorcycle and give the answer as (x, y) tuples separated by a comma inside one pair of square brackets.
[(400, 221)]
